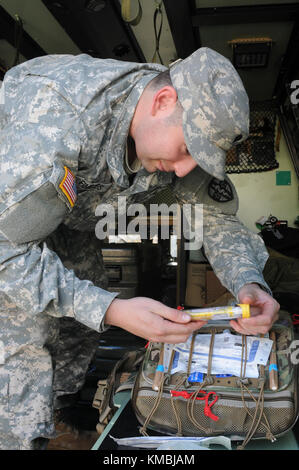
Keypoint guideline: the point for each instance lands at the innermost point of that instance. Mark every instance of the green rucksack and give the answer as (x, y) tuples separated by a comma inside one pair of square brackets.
[(237, 407)]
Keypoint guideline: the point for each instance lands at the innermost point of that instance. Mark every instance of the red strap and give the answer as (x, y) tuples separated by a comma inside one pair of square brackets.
[(207, 410), (208, 406), (182, 393)]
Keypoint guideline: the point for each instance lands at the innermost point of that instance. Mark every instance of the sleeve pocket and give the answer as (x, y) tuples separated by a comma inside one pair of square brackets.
[(34, 217)]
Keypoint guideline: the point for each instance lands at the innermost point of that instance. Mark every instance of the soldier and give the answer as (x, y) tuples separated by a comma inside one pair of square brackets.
[(77, 132)]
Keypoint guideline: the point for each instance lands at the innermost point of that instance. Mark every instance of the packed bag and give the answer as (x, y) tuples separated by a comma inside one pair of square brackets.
[(172, 397)]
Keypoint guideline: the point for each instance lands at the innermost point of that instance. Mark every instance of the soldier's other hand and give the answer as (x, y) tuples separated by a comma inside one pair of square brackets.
[(263, 308), (151, 320)]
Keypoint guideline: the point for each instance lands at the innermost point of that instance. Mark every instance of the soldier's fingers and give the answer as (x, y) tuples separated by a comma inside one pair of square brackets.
[(171, 314), (169, 332)]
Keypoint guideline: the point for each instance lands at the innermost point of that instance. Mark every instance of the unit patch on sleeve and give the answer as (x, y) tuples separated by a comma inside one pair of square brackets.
[(220, 191), (68, 186)]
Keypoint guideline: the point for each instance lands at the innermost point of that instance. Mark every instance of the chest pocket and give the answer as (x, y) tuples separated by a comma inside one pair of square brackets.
[(90, 195), (100, 187)]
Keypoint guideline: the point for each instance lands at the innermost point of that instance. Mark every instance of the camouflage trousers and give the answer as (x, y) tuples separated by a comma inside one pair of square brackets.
[(68, 352)]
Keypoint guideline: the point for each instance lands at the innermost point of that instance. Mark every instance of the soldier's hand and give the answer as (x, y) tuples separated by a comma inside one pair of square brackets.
[(263, 308), (151, 320)]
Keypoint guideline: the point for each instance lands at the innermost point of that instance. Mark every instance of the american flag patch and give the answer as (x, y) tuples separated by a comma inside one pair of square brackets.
[(68, 186)]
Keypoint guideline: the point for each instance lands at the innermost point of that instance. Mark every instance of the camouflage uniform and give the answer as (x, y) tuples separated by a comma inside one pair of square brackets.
[(63, 114)]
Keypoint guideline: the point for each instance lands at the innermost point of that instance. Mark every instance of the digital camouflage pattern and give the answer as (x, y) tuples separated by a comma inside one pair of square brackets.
[(237, 255), (73, 349), (75, 111), (215, 104)]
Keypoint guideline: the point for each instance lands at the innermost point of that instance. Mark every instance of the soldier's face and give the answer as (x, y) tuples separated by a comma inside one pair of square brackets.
[(162, 147), (158, 134)]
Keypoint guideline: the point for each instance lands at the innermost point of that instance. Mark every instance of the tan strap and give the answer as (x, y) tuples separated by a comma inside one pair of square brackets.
[(142, 430), (256, 418), (207, 381)]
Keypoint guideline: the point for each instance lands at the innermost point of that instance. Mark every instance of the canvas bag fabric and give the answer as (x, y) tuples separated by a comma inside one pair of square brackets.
[(237, 407)]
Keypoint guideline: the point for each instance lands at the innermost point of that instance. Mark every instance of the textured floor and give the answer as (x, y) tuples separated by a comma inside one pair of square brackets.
[(76, 430), (72, 439)]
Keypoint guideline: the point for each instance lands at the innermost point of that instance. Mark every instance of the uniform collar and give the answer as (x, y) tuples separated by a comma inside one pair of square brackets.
[(118, 140)]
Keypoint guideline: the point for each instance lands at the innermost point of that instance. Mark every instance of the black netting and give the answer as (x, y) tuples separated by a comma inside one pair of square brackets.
[(257, 152)]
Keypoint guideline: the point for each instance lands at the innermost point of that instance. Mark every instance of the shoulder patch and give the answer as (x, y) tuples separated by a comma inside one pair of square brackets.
[(220, 191), (68, 186)]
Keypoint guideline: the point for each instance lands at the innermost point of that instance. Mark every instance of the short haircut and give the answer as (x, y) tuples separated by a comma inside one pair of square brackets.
[(161, 80)]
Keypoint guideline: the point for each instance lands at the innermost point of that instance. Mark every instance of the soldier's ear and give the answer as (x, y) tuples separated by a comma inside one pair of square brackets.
[(164, 101)]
